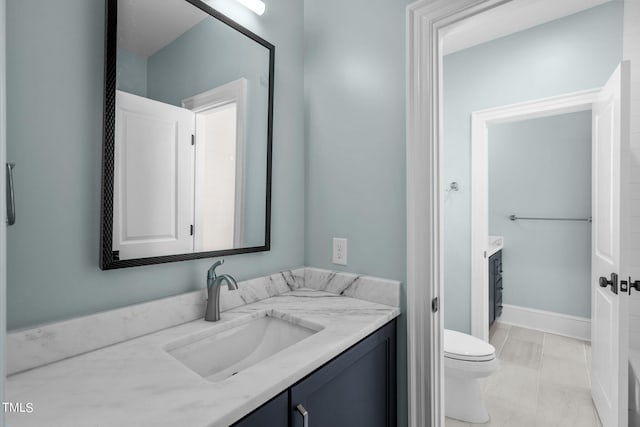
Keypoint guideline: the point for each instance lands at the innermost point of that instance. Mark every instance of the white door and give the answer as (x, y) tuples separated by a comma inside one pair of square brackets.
[(610, 323), (153, 179), (218, 180)]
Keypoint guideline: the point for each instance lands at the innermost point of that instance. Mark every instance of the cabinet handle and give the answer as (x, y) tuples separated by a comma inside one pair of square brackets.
[(305, 415), (11, 201)]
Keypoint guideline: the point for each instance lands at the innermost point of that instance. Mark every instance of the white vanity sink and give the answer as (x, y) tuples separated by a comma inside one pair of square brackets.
[(221, 353)]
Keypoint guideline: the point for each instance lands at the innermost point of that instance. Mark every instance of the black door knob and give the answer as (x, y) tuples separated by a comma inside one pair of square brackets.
[(603, 282)]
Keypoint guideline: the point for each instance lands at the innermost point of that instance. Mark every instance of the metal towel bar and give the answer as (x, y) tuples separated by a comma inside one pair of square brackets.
[(515, 218)]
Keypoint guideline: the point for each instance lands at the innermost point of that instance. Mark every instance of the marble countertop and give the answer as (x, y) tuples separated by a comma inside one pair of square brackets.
[(137, 383), (494, 244)]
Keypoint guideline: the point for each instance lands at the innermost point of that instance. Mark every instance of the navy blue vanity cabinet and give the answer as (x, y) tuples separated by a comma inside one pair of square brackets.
[(356, 389), (495, 286), (274, 413)]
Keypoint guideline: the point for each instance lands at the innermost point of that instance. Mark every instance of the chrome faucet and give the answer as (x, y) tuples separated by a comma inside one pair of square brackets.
[(214, 282)]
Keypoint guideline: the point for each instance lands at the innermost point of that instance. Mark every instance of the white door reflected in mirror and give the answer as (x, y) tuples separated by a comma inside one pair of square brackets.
[(179, 174), (153, 178)]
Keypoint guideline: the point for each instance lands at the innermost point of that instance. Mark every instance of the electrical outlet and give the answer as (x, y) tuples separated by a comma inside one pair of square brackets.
[(339, 251)]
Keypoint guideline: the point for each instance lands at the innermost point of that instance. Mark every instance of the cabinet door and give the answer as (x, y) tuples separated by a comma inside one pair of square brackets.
[(357, 389), (274, 413), (498, 284)]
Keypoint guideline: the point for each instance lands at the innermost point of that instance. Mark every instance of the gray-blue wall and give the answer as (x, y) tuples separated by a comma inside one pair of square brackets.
[(55, 69), (131, 72), (355, 141), (574, 53), (542, 168)]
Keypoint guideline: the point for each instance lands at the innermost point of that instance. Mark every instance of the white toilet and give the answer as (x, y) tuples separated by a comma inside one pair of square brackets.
[(466, 360)]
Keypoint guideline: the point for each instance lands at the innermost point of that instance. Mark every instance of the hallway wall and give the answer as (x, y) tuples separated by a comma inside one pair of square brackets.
[(542, 168)]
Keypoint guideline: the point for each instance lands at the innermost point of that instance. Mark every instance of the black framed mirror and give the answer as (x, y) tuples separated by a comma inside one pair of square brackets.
[(188, 127)]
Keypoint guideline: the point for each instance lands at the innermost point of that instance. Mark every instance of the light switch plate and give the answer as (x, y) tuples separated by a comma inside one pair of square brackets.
[(339, 251)]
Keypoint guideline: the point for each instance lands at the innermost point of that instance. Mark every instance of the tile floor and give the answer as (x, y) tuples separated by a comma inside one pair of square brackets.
[(543, 381)]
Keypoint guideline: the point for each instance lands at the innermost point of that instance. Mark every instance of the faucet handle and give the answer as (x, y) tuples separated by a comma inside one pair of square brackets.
[(211, 274)]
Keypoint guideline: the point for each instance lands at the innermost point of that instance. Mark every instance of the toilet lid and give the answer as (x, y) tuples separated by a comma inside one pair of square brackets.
[(466, 347)]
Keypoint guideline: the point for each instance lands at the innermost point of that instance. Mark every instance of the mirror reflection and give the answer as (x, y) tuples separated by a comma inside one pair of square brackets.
[(191, 137)]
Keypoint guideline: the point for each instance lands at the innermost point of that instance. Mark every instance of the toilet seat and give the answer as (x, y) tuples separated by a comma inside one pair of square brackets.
[(465, 347)]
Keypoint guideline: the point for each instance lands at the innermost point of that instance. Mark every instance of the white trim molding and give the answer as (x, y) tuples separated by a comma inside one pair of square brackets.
[(547, 321), (234, 91), (480, 122), (425, 21)]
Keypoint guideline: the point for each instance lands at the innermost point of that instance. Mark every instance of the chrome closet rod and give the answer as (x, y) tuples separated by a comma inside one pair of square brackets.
[(514, 218)]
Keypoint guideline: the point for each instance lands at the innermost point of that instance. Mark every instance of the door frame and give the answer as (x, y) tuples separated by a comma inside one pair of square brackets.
[(232, 92), (427, 21), (480, 122), (425, 380)]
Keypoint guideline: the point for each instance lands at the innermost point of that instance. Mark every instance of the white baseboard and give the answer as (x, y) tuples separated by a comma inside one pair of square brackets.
[(547, 321)]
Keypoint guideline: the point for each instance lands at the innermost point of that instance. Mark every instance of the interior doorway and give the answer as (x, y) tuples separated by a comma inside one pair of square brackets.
[(430, 22), (536, 165), (481, 122)]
